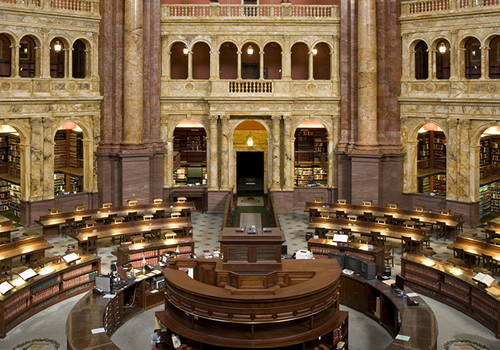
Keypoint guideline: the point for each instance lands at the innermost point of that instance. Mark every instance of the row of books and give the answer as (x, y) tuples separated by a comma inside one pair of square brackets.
[(46, 293), (79, 280), (77, 272)]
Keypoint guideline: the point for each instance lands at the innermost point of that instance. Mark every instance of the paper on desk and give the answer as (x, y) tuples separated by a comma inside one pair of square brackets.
[(108, 296), (156, 272), (411, 295), (494, 291), (98, 330), (402, 337), (142, 277), (389, 281)]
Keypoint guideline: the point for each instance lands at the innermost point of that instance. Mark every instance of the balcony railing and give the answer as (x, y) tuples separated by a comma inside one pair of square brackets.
[(285, 10), (411, 7), (251, 87), (89, 6)]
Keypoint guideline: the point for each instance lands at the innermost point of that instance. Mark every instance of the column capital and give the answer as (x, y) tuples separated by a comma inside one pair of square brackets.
[(225, 118), (276, 118), (213, 118), (287, 118)]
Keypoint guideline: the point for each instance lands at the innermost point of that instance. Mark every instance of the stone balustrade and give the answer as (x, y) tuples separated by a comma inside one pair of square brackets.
[(87, 6), (272, 12), (414, 7)]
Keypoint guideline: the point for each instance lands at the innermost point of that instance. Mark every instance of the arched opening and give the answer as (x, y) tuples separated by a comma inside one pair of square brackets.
[(201, 61), (431, 160), (311, 157), (272, 61), (190, 154), (300, 62), (179, 61), (10, 172), (489, 172), (495, 58), (5, 56), (250, 61), (421, 61), (228, 61), (27, 58), (251, 150), (443, 60), (56, 58), (79, 59), (321, 62), (472, 59), (68, 159)]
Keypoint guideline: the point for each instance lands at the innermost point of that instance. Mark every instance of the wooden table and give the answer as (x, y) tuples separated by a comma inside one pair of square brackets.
[(52, 222), (33, 248), (6, 227), (476, 248), (130, 228), (366, 227), (401, 215)]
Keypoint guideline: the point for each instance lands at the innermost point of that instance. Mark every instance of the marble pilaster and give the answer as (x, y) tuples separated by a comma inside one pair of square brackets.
[(432, 63), (169, 160), (261, 64), (213, 157), (468, 181), (48, 159), (224, 153), (25, 164), (165, 57), (190, 65), (286, 59), (485, 62), (311, 66), (276, 153), (88, 164), (451, 160), (42, 66), (367, 74), (239, 64), (288, 159), (68, 54), (133, 73), (214, 58), (14, 60)]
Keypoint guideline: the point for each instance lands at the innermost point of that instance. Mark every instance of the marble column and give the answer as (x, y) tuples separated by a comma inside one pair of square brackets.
[(213, 164), (261, 64), (190, 64), (88, 164), (165, 57), (286, 59), (432, 63), (68, 70), (14, 61), (276, 184), (25, 164), (169, 159), (289, 154), (42, 61), (485, 62), (410, 184), (214, 58), (48, 159), (331, 161), (367, 74), (224, 153), (133, 73), (239, 65), (451, 159), (311, 65)]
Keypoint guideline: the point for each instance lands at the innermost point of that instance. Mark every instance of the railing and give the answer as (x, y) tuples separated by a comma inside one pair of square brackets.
[(285, 10), (424, 6), (69, 5), (251, 87)]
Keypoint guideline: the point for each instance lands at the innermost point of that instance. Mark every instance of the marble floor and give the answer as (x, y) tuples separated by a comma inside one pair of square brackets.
[(50, 323)]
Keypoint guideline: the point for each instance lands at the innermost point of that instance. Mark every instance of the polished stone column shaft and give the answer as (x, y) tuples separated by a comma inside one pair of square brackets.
[(133, 73), (367, 73), (224, 150), (289, 154), (212, 180), (276, 186)]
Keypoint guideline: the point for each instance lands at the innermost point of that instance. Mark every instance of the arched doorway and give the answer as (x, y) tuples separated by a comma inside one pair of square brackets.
[(68, 159), (431, 160), (489, 172), (251, 151), (10, 172), (311, 157), (5, 56), (190, 154)]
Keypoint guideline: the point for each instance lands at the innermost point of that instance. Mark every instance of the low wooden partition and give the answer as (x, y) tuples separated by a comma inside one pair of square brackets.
[(375, 300), (454, 287), (273, 212), (321, 247), (53, 284), (476, 248), (32, 248)]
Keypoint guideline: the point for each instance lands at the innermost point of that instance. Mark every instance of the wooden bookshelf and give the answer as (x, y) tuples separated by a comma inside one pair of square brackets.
[(68, 162)]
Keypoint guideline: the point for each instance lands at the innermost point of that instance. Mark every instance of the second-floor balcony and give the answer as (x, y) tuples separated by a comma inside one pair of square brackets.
[(284, 11), (410, 8), (78, 6)]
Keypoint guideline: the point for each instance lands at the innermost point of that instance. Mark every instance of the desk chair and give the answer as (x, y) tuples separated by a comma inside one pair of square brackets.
[(443, 231), (5, 266), (368, 216), (185, 213), (81, 224), (340, 214), (458, 257), (91, 246), (490, 234), (132, 216), (159, 214), (320, 232), (408, 245), (389, 254), (490, 263), (110, 218), (4, 240), (313, 213), (376, 239), (390, 218), (187, 231), (68, 227)]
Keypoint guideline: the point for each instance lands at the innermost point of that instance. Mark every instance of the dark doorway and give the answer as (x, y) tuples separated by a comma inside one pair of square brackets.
[(250, 171)]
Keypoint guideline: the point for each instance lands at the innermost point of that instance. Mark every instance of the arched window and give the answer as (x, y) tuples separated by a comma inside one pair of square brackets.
[(56, 59), (5, 56), (443, 60), (421, 61), (272, 61), (27, 58), (300, 62), (495, 58), (321, 62), (472, 59), (250, 59), (79, 60), (179, 61), (228, 61), (201, 61)]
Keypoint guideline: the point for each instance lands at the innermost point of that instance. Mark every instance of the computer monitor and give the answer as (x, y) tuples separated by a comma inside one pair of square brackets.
[(367, 269), (400, 282), (352, 263), (340, 257)]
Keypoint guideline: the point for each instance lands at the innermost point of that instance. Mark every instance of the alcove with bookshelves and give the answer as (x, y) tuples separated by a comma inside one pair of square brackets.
[(190, 155), (311, 160), (10, 174), (431, 160), (68, 160)]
